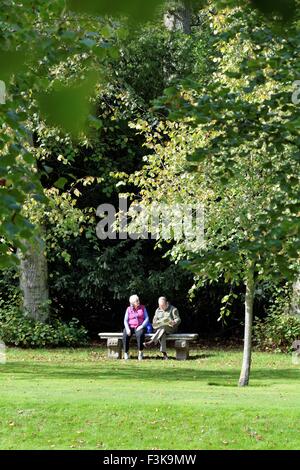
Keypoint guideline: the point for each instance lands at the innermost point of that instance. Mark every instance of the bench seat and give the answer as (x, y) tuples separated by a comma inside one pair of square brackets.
[(182, 341)]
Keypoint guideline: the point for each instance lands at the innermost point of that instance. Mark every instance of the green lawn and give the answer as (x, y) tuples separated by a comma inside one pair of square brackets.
[(77, 399)]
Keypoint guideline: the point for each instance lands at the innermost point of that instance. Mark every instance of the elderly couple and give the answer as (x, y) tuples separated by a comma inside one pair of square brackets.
[(166, 320)]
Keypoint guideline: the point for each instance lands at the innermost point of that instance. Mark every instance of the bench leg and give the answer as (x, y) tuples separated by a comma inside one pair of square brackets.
[(182, 350), (296, 357), (114, 348)]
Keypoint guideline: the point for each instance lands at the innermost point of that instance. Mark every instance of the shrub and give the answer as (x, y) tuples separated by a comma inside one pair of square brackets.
[(19, 330), (277, 331)]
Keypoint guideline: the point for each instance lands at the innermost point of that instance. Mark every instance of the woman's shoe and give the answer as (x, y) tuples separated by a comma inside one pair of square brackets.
[(126, 356), (140, 356)]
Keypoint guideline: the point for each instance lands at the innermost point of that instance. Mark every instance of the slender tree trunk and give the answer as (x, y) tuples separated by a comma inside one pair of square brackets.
[(34, 281), (250, 286)]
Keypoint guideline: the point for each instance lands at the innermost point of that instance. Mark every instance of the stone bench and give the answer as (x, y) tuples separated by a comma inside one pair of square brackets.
[(182, 342)]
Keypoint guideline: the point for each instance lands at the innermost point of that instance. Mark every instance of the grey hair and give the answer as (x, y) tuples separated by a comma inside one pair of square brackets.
[(164, 299), (133, 298)]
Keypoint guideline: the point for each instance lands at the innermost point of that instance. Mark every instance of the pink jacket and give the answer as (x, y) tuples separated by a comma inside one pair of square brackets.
[(135, 317)]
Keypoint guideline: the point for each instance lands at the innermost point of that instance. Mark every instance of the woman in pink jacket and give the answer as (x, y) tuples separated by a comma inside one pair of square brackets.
[(135, 322)]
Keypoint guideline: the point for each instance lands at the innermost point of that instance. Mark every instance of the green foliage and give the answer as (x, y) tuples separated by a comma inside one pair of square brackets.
[(85, 275), (280, 328), (19, 330), (96, 283), (152, 51), (68, 107), (46, 46), (9, 291), (227, 301), (126, 268), (285, 9), (36, 43), (136, 10), (59, 221), (66, 149), (235, 150), (277, 331)]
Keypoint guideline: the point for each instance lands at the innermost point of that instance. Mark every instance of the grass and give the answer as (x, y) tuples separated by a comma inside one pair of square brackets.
[(78, 399)]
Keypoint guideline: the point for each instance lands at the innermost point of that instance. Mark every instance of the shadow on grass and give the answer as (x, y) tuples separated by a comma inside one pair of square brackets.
[(173, 357), (103, 371), (201, 356), (234, 384)]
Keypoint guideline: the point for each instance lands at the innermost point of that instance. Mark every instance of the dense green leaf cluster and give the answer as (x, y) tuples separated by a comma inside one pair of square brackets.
[(17, 330)]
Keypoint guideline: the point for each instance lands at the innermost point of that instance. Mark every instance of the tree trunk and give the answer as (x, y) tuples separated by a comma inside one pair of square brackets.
[(250, 286), (186, 15), (34, 281), (180, 19)]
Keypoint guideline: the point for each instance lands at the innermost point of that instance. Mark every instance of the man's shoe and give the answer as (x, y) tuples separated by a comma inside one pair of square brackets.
[(126, 356), (140, 356)]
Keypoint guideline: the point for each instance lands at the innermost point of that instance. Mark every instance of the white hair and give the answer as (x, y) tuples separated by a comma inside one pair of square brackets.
[(133, 298), (162, 299)]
